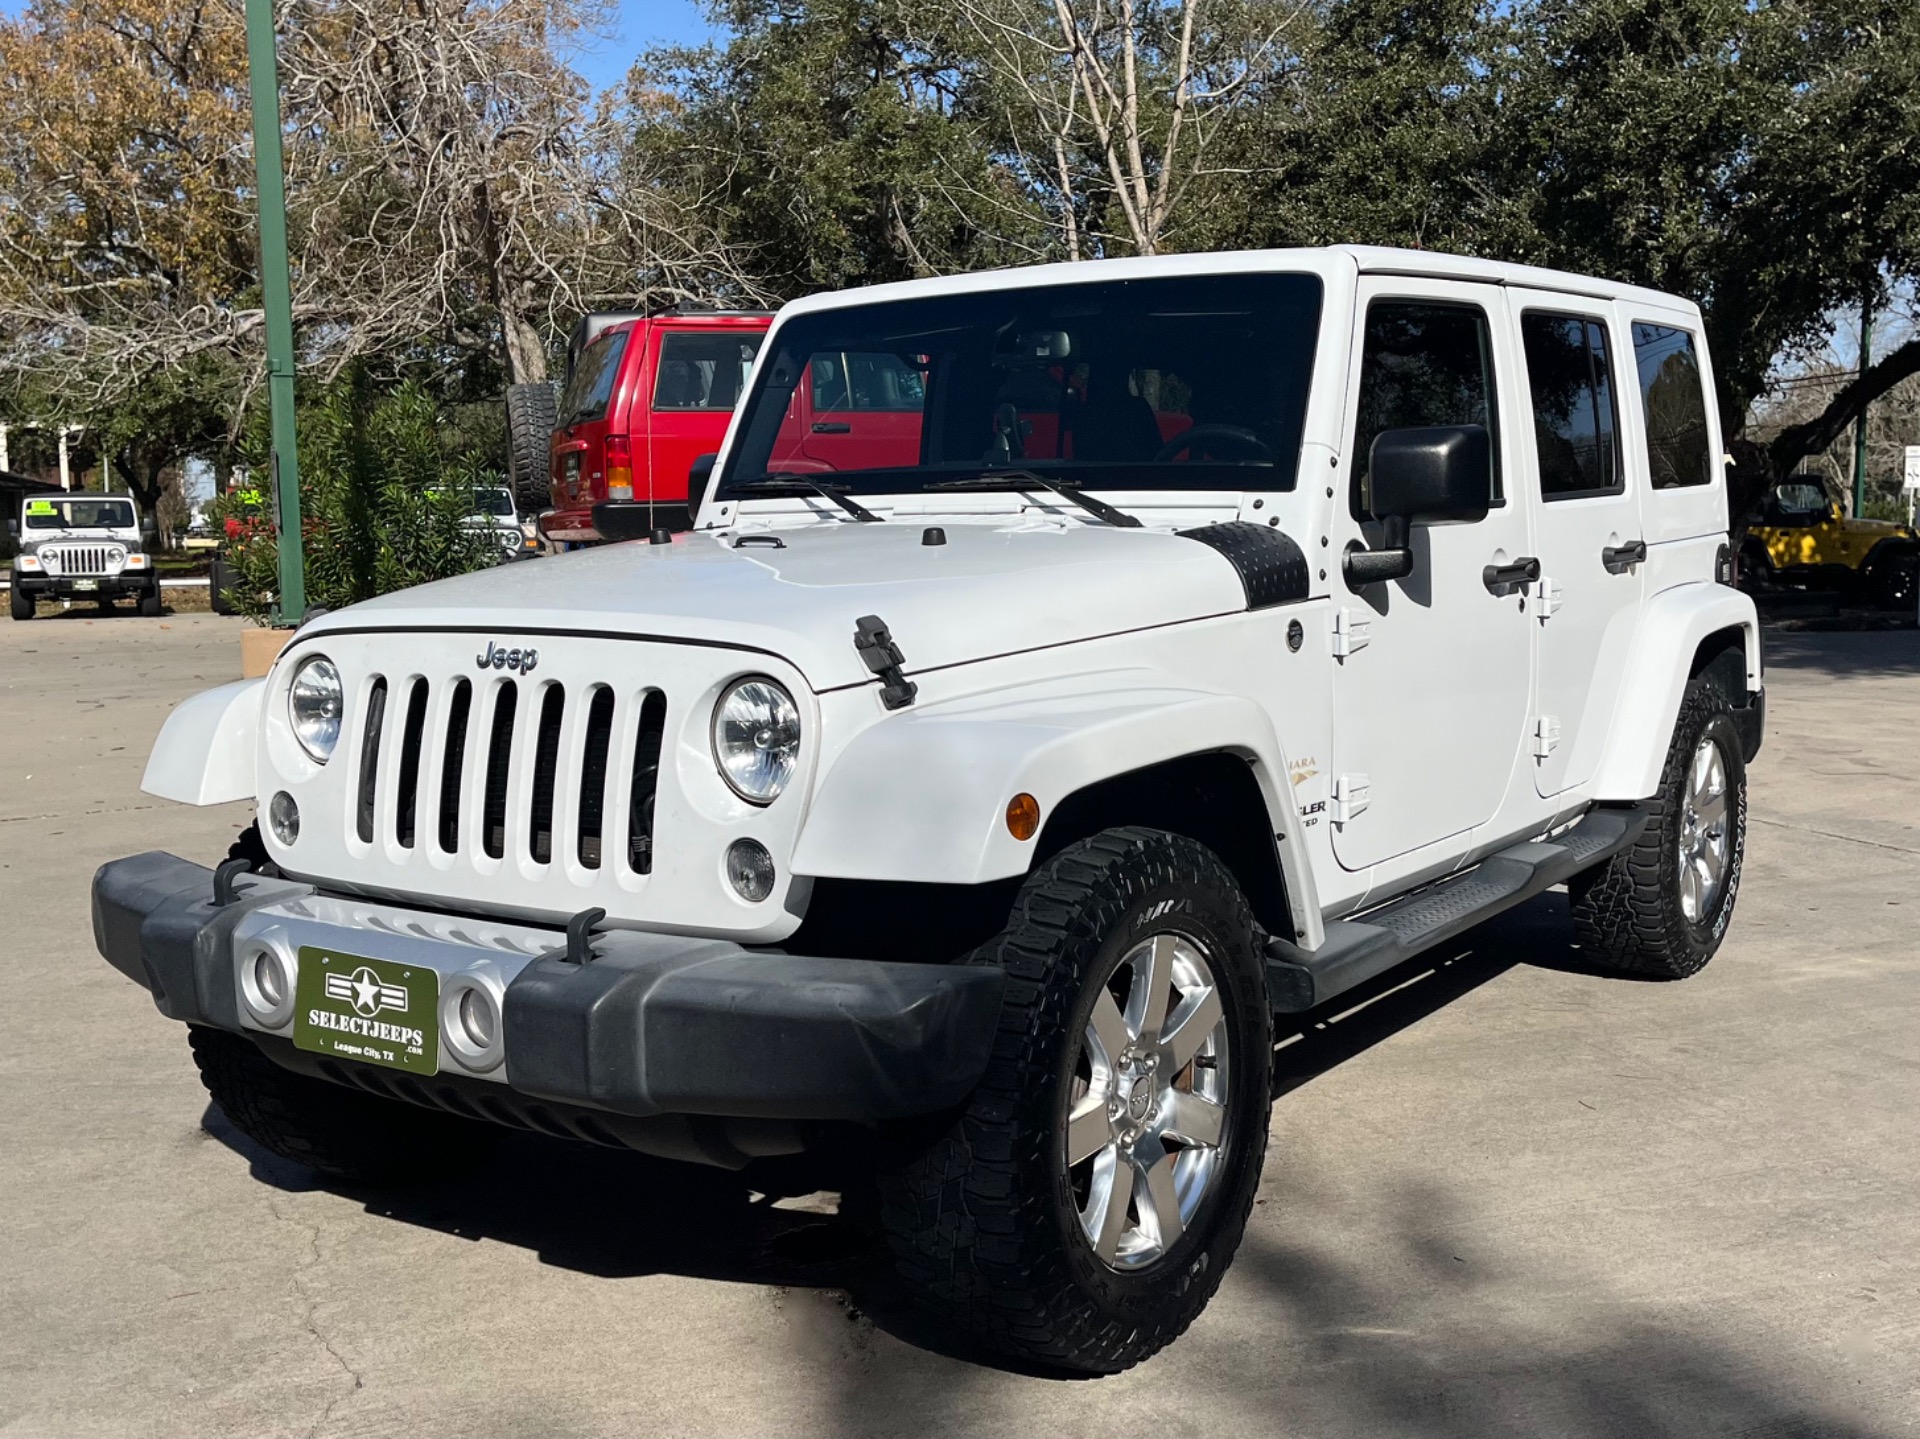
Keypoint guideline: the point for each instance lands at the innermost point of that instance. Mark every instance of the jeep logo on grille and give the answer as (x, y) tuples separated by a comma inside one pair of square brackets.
[(497, 658)]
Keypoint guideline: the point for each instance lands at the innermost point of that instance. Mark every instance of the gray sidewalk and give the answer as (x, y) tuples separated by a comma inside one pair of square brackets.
[(1507, 1197)]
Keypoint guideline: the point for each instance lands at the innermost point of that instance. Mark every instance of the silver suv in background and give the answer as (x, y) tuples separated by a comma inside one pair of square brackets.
[(81, 547)]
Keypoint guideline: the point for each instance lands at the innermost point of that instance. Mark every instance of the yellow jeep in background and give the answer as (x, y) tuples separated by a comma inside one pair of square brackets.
[(1801, 538)]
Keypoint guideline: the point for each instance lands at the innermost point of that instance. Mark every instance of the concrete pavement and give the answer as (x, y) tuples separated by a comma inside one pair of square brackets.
[(1506, 1197)]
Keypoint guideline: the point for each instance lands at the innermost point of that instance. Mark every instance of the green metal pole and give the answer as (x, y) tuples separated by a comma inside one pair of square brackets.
[(1860, 425), (276, 293)]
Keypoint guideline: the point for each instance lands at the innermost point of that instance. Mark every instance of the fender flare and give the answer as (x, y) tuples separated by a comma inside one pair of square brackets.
[(1884, 548), (206, 749), (921, 796), (1672, 626)]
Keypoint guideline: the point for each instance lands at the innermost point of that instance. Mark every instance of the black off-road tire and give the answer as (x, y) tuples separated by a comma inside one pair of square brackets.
[(19, 602), (1627, 913), (981, 1221), (1892, 581), (328, 1128), (531, 414)]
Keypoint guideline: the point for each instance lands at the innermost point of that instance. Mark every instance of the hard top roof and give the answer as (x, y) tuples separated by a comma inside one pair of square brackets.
[(1324, 260)]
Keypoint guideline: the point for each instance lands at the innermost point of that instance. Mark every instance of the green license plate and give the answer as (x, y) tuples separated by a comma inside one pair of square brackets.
[(85, 585), (372, 1010)]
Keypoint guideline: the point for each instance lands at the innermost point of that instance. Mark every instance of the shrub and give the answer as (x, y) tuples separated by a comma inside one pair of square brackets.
[(382, 505)]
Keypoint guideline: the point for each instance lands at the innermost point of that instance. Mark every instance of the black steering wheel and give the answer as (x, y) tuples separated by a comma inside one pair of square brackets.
[(1249, 445)]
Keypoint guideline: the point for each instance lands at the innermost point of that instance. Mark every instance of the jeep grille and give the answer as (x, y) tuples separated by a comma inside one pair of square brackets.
[(84, 559), (451, 816)]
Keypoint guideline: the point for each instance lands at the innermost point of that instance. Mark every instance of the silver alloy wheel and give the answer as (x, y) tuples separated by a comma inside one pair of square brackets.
[(1147, 1105), (1704, 838)]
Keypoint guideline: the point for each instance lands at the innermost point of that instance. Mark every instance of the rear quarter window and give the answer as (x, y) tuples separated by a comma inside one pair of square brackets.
[(590, 387), (1673, 400)]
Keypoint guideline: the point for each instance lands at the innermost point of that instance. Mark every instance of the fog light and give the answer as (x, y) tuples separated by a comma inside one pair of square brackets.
[(284, 817), (470, 1019), (266, 987), (750, 870)]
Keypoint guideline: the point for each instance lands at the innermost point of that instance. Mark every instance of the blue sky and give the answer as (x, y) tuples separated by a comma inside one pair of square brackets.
[(635, 25)]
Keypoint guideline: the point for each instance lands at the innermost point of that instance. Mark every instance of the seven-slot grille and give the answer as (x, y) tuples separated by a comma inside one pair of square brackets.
[(479, 730), (84, 559)]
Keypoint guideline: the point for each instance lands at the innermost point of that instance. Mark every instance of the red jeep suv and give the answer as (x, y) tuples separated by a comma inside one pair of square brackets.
[(645, 395)]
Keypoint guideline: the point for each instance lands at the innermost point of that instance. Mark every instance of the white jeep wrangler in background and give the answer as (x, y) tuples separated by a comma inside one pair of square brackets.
[(81, 547), (1162, 644)]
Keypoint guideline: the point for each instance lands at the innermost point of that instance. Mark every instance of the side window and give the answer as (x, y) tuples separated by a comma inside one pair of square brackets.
[(1675, 405), (1575, 422), (866, 382), (1423, 363), (703, 372)]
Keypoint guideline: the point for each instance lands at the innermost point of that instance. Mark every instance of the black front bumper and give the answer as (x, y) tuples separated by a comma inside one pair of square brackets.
[(654, 1025)]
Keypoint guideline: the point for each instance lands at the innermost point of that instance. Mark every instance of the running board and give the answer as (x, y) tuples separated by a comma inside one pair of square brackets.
[(1358, 949)]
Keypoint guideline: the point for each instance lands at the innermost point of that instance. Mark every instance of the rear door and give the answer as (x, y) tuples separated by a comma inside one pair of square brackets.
[(699, 374), (586, 414), (1587, 530)]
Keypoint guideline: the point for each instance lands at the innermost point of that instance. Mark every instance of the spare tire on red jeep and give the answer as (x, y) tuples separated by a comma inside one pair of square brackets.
[(531, 412)]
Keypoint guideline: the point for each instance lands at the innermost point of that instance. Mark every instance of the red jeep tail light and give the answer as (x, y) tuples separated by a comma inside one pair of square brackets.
[(619, 468)]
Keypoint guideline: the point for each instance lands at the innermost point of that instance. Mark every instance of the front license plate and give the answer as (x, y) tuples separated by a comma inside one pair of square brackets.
[(83, 586), (372, 1010)]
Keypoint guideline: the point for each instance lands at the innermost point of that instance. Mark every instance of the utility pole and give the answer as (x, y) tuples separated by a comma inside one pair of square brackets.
[(1860, 425), (277, 299), (66, 474)]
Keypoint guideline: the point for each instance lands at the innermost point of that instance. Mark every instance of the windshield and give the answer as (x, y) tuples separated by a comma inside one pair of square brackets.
[(79, 515), (1184, 383), (492, 502), (590, 385)]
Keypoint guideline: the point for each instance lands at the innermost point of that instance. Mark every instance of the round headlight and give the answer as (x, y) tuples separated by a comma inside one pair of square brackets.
[(756, 739), (314, 706)]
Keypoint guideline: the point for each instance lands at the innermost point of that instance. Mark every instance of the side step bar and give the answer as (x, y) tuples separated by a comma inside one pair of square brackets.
[(1358, 949)]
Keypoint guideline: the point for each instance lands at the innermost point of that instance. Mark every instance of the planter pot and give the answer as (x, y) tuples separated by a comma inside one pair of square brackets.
[(258, 650)]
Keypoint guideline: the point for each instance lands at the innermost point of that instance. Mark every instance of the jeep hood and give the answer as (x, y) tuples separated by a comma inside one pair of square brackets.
[(989, 590)]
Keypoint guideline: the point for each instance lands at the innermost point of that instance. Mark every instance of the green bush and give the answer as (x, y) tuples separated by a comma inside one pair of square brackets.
[(382, 504)]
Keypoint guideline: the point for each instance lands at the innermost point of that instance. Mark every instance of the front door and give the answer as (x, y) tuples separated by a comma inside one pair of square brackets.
[(1587, 531), (1432, 694), (864, 411)]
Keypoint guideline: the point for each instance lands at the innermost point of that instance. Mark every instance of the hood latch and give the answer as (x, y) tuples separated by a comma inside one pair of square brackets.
[(875, 645)]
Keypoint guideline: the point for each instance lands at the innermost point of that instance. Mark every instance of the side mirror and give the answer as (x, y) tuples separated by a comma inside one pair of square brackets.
[(1434, 473), (1833, 512), (1431, 473), (13, 529), (699, 476)]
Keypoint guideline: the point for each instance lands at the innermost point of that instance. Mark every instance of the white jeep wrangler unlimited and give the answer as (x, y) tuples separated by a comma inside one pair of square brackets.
[(1146, 648)]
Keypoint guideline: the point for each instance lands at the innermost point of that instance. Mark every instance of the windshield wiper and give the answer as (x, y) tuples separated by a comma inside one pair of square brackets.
[(787, 482), (1028, 480)]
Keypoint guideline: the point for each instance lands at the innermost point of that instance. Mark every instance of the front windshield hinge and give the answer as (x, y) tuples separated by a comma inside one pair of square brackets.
[(875, 645)]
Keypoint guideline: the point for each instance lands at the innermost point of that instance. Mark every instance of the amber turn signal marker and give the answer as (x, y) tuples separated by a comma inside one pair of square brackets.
[(1023, 816)]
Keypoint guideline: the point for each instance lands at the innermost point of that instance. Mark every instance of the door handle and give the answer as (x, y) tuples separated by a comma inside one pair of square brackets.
[(832, 427), (1618, 559), (1500, 578)]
